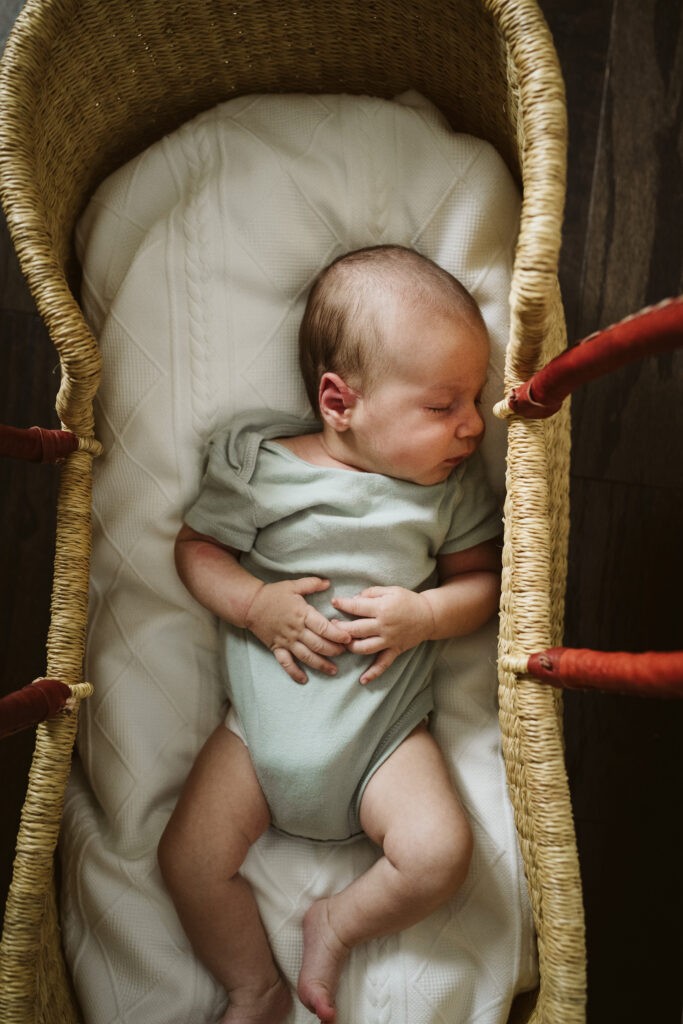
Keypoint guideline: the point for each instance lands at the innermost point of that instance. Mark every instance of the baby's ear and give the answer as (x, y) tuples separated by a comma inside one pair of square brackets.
[(336, 400)]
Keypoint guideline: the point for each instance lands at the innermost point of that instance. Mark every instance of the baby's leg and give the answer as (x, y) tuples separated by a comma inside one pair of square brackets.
[(412, 811), (220, 813)]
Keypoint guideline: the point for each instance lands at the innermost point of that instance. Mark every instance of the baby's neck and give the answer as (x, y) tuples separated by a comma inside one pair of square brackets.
[(320, 450)]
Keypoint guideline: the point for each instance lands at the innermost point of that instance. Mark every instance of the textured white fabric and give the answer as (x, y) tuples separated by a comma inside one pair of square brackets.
[(197, 256)]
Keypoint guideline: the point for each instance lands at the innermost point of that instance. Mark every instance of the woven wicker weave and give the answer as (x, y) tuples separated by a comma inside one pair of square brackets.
[(86, 84)]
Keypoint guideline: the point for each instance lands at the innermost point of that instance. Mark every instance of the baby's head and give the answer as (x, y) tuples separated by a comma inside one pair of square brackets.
[(394, 354), (346, 324)]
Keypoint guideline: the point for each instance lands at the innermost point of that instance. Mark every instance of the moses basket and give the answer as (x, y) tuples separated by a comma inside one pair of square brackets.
[(85, 85)]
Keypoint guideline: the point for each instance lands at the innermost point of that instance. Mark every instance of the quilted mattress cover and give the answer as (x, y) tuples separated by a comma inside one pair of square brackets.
[(197, 256)]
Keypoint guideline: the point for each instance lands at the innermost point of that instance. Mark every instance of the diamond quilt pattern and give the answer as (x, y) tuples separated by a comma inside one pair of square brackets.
[(197, 257)]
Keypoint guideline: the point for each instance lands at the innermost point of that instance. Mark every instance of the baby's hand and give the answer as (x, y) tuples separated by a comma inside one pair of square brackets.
[(282, 619), (392, 620)]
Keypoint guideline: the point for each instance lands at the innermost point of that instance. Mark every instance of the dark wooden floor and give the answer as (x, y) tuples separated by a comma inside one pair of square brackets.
[(623, 248)]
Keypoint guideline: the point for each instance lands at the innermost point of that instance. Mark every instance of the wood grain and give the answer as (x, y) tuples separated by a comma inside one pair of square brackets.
[(623, 251)]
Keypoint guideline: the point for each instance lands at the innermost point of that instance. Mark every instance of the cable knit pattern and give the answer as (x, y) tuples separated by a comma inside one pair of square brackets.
[(199, 156), (197, 257), (381, 1006)]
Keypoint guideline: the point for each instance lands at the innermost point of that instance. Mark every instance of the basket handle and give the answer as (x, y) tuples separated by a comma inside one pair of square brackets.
[(36, 702), (650, 674), (35, 444), (652, 331)]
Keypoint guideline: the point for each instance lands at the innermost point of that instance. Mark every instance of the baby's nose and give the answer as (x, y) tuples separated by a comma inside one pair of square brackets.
[(471, 425)]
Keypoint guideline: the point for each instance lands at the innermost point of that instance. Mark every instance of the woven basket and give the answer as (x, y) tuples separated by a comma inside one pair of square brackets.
[(85, 85)]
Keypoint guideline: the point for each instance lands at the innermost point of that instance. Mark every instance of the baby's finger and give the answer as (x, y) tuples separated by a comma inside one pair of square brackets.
[(361, 628), (320, 645), (357, 605), (313, 660), (332, 630), (369, 645), (373, 592), (310, 585), (285, 659), (379, 665)]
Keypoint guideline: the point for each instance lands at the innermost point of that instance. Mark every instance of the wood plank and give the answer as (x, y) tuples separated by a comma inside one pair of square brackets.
[(626, 564), (581, 32), (624, 755), (634, 249), (634, 252)]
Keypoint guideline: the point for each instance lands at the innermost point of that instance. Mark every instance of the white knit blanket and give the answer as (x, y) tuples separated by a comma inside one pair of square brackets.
[(197, 256)]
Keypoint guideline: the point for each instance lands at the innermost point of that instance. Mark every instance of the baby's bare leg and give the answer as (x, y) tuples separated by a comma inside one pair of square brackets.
[(412, 811), (220, 813)]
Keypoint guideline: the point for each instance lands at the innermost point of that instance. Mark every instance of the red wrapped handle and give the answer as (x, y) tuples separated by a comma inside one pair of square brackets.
[(36, 444), (34, 703), (652, 331), (651, 674)]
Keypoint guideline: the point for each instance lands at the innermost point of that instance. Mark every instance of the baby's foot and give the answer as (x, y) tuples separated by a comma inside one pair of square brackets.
[(262, 1006), (324, 958)]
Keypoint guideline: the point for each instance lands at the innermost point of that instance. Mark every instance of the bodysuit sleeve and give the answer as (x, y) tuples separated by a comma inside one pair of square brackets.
[(224, 508), (476, 514)]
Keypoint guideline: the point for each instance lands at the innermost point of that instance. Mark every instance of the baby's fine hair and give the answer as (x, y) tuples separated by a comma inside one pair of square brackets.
[(341, 329)]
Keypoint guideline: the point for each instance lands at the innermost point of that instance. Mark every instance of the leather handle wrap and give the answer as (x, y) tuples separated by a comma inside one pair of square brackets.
[(33, 704), (651, 674), (652, 331), (35, 444)]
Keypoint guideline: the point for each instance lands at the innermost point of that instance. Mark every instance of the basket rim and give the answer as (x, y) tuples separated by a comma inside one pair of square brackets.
[(543, 156)]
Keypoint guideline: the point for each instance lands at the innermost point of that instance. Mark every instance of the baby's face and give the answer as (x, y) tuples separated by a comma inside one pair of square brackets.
[(422, 419)]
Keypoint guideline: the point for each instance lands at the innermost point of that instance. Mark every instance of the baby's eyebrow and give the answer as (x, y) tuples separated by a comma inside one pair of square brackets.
[(439, 385), (454, 387)]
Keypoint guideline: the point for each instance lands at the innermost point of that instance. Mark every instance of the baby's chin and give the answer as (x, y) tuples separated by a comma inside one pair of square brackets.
[(425, 476), (429, 478)]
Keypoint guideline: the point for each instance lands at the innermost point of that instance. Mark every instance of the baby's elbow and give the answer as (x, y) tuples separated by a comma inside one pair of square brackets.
[(188, 547), (180, 549)]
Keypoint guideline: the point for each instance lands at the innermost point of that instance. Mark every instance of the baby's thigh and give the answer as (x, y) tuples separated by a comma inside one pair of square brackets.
[(221, 810), (410, 806)]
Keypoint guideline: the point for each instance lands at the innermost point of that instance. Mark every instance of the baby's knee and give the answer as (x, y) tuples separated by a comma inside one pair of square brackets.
[(191, 853), (180, 861), (440, 858), (449, 861)]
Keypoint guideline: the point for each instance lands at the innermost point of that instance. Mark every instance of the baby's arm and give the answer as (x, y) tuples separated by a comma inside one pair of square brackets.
[(393, 619), (277, 613)]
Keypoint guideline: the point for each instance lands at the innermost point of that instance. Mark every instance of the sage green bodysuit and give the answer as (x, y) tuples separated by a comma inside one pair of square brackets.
[(314, 747)]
